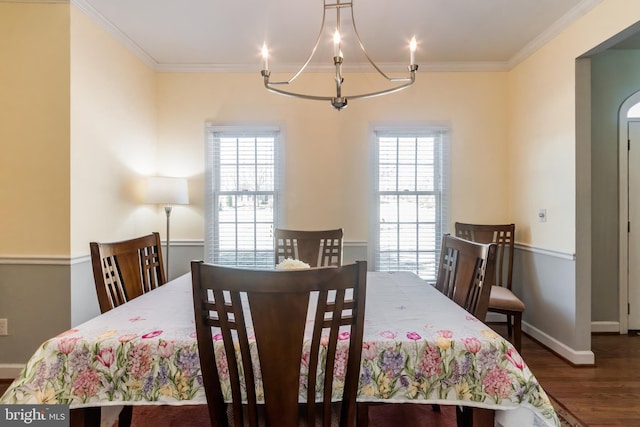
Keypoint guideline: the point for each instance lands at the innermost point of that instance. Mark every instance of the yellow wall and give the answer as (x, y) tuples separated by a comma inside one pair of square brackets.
[(117, 113), (327, 151), (34, 129), (113, 138), (542, 127), (525, 116)]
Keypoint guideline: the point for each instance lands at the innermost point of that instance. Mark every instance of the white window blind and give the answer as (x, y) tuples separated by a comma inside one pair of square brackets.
[(241, 188), (411, 184)]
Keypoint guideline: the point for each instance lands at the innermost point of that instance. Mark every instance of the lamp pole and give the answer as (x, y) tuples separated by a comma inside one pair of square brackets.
[(167, 191), (167, 210)]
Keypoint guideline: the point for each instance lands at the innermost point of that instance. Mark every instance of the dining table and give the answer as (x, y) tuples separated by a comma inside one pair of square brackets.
[(419, 347)]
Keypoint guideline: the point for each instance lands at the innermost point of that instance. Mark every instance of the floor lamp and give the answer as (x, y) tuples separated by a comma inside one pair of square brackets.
[(167, 191)]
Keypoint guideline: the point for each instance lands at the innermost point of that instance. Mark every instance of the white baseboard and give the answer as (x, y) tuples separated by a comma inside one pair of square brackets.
[(577, 357), (10, 370), (605, 326)]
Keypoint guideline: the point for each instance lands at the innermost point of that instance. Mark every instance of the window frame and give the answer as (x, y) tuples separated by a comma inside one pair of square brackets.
[(441, 186), (212, 184)]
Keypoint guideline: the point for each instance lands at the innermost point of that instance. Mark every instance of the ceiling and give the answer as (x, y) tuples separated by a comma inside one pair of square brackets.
[(217, 35)]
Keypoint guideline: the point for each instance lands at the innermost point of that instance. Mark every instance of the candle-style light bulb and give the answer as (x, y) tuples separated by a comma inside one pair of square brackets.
[(412, 49), (336, 43), (265, 57)]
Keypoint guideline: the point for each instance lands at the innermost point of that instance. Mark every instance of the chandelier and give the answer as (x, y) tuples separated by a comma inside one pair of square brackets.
[(339, 101)]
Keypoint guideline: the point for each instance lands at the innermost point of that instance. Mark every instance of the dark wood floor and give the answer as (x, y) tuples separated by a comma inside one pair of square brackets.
[(4, 384), (604, 395)]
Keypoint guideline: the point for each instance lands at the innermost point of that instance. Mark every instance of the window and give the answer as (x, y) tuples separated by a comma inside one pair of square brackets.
[(241, 188), (410, 188)]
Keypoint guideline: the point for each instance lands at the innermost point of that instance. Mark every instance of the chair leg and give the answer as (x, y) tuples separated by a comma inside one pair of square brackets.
[(362, 414), (509, 327), (124, 419), (517, 331), (464, 416), (85, 417)]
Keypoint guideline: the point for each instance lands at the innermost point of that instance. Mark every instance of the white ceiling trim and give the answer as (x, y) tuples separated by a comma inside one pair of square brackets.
[(580, 10), (116, 33), (560, 25)]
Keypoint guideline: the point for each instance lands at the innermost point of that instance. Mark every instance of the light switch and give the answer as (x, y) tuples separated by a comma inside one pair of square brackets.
[(542, 215)]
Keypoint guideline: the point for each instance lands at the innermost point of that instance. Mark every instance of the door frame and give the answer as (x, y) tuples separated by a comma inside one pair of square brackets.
[(623, 208)]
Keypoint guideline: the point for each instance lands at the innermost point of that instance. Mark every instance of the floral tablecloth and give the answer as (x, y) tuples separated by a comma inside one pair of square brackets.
[(419, 347)]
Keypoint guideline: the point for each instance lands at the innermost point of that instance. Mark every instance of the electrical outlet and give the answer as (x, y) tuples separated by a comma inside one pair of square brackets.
[(4, 327)]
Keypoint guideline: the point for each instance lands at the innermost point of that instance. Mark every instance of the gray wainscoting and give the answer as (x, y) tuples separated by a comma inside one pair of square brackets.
[(84, 302), (35, 298), (546, 282)]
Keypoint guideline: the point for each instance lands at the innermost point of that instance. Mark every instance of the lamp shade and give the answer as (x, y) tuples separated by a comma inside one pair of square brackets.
[(167, 190)]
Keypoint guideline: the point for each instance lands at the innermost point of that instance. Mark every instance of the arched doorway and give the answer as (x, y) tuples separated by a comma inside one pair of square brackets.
[(629, 208)]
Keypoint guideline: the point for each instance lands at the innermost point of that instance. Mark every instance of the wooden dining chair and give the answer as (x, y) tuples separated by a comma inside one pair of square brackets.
[(464, 269), (465, 273), (125, 270), (502, 299), (270, 307), (318, 248)]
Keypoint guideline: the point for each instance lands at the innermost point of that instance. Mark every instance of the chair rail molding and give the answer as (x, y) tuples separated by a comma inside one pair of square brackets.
[(549, 252), (41, 259)]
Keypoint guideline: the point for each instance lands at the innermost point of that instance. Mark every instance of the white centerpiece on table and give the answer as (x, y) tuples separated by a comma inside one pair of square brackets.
[(292, 264)]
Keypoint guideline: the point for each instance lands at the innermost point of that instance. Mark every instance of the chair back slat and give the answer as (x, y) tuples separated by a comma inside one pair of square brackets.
[(270, 345), (112, 282), (318, 248), (466, 272), (127, 269), (150, 265)]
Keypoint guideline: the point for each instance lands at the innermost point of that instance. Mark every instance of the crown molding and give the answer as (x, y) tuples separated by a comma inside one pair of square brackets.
[(116, 33), (584, 7)]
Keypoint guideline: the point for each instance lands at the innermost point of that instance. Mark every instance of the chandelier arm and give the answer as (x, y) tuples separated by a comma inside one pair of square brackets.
[(267, 85), (391, 79), (270, 88), (337, 5), (382, 92), (366, 54), (313, 52)]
